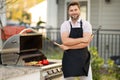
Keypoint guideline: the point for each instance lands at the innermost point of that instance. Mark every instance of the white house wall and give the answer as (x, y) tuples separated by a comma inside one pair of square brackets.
[(94, 13), (61, 12), (101, 13), (52, 13), (38, 12), (105, 14), (111, 14)]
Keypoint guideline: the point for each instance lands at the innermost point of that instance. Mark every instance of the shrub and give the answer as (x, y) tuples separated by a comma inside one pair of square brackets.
[(100, 72), (96, 63)]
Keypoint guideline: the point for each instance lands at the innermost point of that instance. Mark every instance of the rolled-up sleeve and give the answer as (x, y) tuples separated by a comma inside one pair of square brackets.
[(87, 27), (65, 27)]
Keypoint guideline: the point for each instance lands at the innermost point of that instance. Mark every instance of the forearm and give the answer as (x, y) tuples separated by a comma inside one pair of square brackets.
[(72, 41), (78, 46), (68, 41)]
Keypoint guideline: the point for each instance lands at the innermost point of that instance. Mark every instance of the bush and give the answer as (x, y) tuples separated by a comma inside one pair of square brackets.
[(96, 63), (101, 72)]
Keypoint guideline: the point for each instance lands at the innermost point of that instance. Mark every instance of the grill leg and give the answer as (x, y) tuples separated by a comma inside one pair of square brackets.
[(18, 60), (0, 59)]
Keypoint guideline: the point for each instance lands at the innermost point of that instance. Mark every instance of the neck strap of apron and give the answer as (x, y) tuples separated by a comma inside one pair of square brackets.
[(81, 24)]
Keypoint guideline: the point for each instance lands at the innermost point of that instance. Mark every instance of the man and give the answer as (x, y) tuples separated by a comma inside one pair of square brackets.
[(76, 36)]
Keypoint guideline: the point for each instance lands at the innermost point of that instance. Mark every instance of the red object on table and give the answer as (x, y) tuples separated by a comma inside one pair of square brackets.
[(45, 62)]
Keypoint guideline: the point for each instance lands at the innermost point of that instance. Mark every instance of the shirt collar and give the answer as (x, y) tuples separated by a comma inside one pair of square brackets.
[(78, 21)]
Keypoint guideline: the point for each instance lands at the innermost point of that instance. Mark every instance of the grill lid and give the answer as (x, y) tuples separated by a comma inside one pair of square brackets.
[(22, 42), (30, 42)]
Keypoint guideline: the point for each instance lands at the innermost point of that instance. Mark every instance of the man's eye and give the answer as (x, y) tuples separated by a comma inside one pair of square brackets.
[(71, 10), (75, 9)]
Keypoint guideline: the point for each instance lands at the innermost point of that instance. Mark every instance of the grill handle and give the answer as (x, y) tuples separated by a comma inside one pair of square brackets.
[(27, 30)]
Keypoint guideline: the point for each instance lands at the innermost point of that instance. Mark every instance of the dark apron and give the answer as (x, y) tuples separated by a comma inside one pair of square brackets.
[(76, 61)]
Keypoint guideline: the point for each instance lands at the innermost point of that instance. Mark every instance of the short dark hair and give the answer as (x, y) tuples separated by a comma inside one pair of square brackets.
[(72, 3)]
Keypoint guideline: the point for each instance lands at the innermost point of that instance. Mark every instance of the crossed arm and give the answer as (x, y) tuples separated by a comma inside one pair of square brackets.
[(75, 43)]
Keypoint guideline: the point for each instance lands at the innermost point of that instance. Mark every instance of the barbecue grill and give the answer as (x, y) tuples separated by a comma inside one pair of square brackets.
[(26, 47)]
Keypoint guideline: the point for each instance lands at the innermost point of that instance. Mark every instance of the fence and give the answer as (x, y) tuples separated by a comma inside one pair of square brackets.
[(106, 41)]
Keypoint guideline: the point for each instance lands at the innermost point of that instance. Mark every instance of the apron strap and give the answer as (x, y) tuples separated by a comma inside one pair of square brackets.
[(81, 24)]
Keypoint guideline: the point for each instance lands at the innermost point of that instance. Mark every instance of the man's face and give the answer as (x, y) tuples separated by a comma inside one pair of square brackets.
[(74, 12)]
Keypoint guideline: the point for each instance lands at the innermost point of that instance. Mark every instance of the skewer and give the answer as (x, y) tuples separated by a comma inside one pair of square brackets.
[(92, 35), (56, 44), (97, 30)]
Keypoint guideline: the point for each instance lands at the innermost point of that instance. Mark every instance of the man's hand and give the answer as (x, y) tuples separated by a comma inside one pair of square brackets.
[(91, 37), (87, 39), (62, 46)]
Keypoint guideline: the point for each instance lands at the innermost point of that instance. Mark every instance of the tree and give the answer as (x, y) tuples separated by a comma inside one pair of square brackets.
[(3, 8), (19, 12)]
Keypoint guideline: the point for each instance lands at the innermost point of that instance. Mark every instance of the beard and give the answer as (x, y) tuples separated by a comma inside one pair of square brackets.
[(75, 17)]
